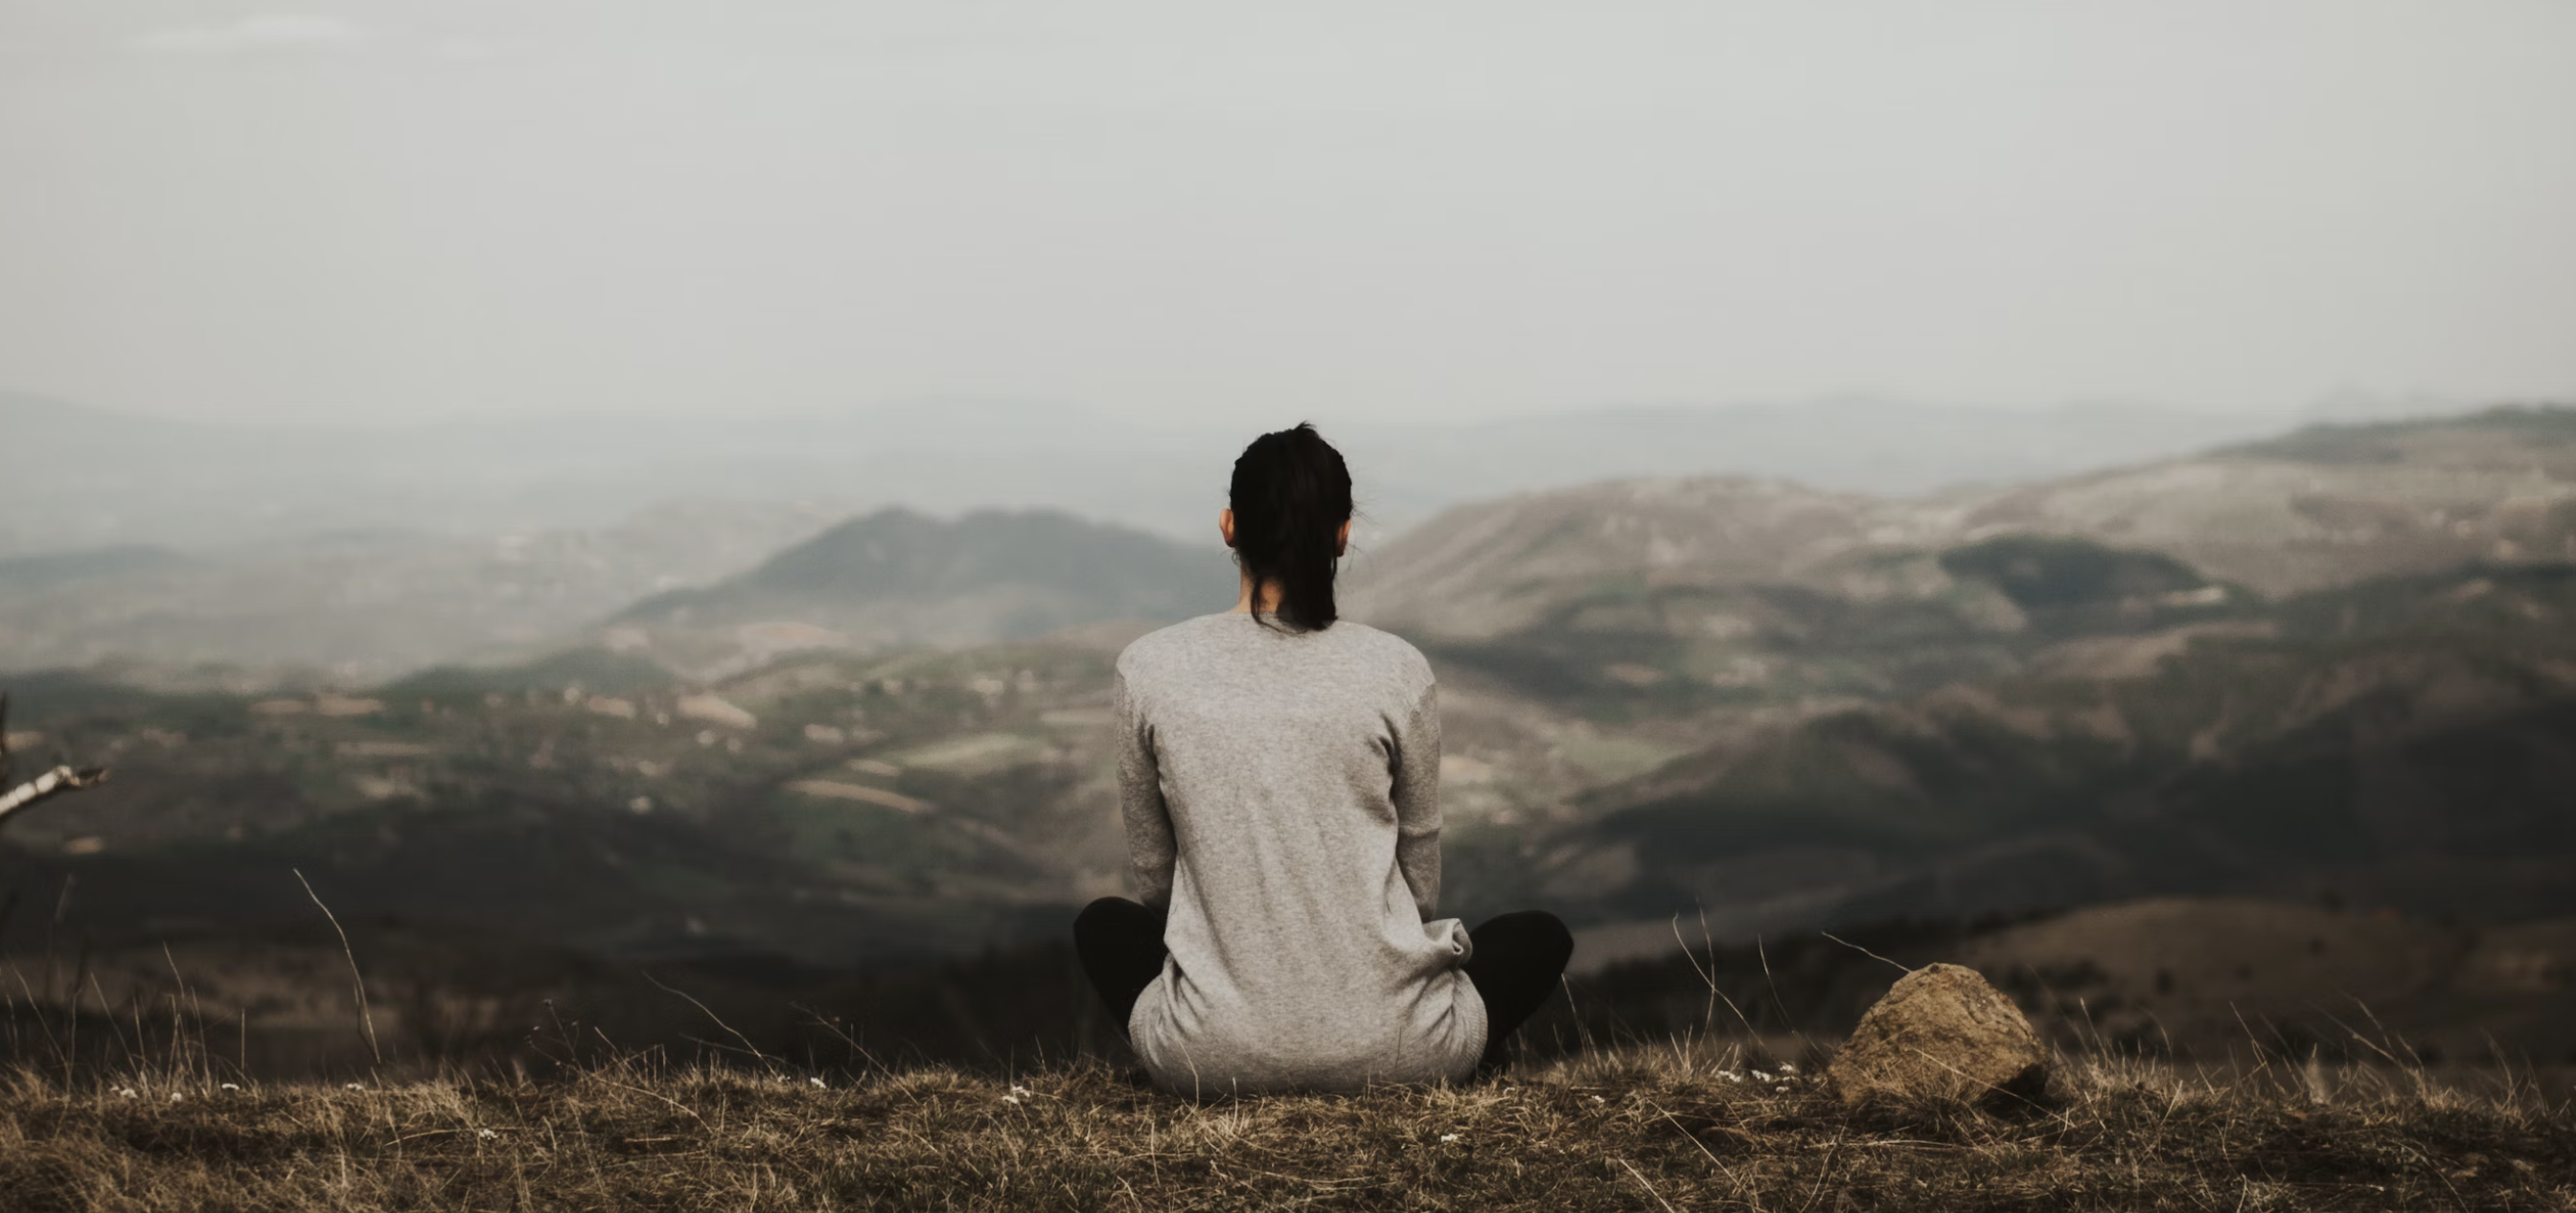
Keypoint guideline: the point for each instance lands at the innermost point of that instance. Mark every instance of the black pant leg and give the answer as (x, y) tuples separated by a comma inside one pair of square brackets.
[(1121, 946), (1517, 963)]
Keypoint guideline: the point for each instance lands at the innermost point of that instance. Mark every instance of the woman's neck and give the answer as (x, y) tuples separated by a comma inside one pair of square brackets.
[(1269, 597)]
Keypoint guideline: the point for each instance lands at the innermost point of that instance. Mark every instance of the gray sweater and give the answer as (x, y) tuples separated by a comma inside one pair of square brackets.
[(1282, 797)]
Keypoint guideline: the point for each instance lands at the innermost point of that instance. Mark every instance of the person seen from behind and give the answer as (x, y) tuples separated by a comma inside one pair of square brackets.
[(1279, 772)]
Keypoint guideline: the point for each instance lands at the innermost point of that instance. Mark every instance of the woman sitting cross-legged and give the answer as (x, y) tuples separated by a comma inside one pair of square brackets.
[(1279, 775)]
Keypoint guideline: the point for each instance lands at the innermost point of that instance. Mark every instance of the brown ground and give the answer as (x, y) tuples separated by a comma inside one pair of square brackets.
[(1641, 1129), (2216, 977)]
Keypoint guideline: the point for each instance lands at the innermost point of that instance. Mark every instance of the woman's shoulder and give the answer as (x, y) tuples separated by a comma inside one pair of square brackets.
[(1379, 642), (1381, 658), (1184, 642), (1169, 642)]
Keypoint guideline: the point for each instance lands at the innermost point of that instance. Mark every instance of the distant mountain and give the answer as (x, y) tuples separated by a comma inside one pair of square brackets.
[(81, 477), (1660, 599), (2409, 741), (898, 577), (2321, 506), (365, 604), (1658, 596), (365, 548), (1499, 566), (1791, 706), (2328, 505), (1657, 593)]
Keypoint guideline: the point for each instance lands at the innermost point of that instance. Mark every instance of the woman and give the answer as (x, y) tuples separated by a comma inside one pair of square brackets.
[(1279, 774)]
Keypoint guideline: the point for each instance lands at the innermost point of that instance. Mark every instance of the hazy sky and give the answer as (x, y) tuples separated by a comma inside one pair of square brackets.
[(417, 208)]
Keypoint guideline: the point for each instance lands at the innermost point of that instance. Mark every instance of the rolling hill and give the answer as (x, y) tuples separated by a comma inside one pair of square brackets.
[(1664, 596), (2330, 505), (2408, 741), (897, 577)]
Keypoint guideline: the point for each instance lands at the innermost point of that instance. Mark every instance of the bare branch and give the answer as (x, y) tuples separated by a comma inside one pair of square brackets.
[(52, 783)]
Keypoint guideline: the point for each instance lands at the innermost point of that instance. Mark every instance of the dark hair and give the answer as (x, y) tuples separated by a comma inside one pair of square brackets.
[(1290, 496)]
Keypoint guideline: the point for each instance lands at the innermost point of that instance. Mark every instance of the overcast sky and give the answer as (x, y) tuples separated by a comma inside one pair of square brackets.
[(409, 209)]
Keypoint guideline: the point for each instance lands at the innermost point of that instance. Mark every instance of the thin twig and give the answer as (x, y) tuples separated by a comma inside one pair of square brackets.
[(1776, 1004), (1821, 1175), (719, 1020), (685, 1109), (365, 1017), (1650, 1188), (1693, 1138), (1863, 951)]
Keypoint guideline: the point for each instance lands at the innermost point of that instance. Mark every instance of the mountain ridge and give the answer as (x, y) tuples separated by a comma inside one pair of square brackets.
[(898, 576)]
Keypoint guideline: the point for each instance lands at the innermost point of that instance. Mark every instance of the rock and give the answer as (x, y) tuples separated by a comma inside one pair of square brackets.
[(1942, 1034)]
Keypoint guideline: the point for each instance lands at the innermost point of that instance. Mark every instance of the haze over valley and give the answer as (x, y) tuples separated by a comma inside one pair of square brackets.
[(363, 552), (2328, 664)]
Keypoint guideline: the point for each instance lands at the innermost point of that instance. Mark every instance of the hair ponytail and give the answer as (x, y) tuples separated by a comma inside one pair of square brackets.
[(1290, 496)]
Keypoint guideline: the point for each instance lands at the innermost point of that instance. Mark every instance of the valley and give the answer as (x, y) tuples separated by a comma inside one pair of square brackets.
[(2337, 666)]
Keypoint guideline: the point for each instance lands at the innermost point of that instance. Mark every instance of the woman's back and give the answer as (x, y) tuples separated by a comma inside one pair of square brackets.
[(1280, 789)]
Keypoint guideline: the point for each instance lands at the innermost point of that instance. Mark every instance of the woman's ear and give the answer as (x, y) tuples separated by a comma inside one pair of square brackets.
[(1341, 541), (1225, 525)]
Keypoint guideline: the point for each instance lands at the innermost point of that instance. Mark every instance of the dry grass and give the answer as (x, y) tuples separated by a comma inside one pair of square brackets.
[(1632, 1129)]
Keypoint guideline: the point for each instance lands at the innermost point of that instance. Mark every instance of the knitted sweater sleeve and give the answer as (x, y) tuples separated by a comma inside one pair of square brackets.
[(1416, 793), (1151, 851)]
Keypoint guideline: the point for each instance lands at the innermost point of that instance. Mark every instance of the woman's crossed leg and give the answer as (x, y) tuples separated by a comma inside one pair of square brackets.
[(1517, 961)]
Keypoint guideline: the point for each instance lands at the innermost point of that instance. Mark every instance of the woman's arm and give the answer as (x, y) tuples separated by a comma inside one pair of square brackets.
[(1417, 798), (1150, 849)]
